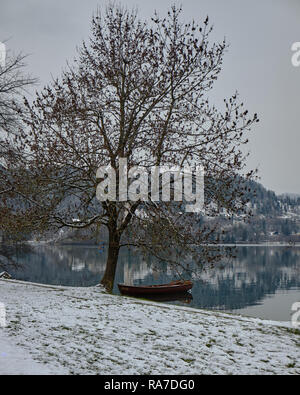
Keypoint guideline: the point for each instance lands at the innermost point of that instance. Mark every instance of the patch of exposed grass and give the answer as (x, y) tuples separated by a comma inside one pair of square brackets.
[(291, 365), (188, 360), (294, 331)]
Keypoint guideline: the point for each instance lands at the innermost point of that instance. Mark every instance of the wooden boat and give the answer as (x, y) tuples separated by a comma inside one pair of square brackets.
[(146, 290)]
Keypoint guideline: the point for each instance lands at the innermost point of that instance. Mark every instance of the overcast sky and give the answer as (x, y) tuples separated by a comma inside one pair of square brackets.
[(258, 63)]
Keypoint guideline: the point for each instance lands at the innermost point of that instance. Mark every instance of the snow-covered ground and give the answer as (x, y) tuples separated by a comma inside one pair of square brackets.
[(64, 330), (15, 360)]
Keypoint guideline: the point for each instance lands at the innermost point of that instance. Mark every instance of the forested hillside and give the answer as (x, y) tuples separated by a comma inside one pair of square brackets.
[(275, 218)]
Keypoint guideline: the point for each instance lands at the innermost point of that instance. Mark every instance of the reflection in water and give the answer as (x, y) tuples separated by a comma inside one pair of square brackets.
[(258, 274), (183, 297)]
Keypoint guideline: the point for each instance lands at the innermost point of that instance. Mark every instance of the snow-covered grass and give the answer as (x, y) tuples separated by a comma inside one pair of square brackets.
[(86, 331), (15, 360)]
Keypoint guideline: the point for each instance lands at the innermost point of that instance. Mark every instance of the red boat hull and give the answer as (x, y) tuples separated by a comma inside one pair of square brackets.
[(162, 289)]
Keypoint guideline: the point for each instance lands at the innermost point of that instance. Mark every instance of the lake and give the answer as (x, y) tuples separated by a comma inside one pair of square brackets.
[(262, 282)]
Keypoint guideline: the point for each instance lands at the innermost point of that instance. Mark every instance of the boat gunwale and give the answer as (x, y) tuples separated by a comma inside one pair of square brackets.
[(154, 286)]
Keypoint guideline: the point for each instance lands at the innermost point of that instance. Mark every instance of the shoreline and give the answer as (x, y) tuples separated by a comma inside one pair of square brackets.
[(89, 244)]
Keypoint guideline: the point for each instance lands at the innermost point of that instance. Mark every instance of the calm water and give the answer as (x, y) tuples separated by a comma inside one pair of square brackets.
[(262, 282)]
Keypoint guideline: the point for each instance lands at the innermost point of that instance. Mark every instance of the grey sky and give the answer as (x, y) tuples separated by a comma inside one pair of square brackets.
[(258, 64)]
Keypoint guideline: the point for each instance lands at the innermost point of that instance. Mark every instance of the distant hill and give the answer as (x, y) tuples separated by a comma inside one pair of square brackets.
[(290, 195), (276, 218)]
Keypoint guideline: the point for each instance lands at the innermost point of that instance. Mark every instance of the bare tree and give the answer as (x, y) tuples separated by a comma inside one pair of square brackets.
[(13, 85), (138, 90)]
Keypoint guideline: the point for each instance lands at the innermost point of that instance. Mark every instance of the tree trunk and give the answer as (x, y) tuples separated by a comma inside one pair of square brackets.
[(112, 260)]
